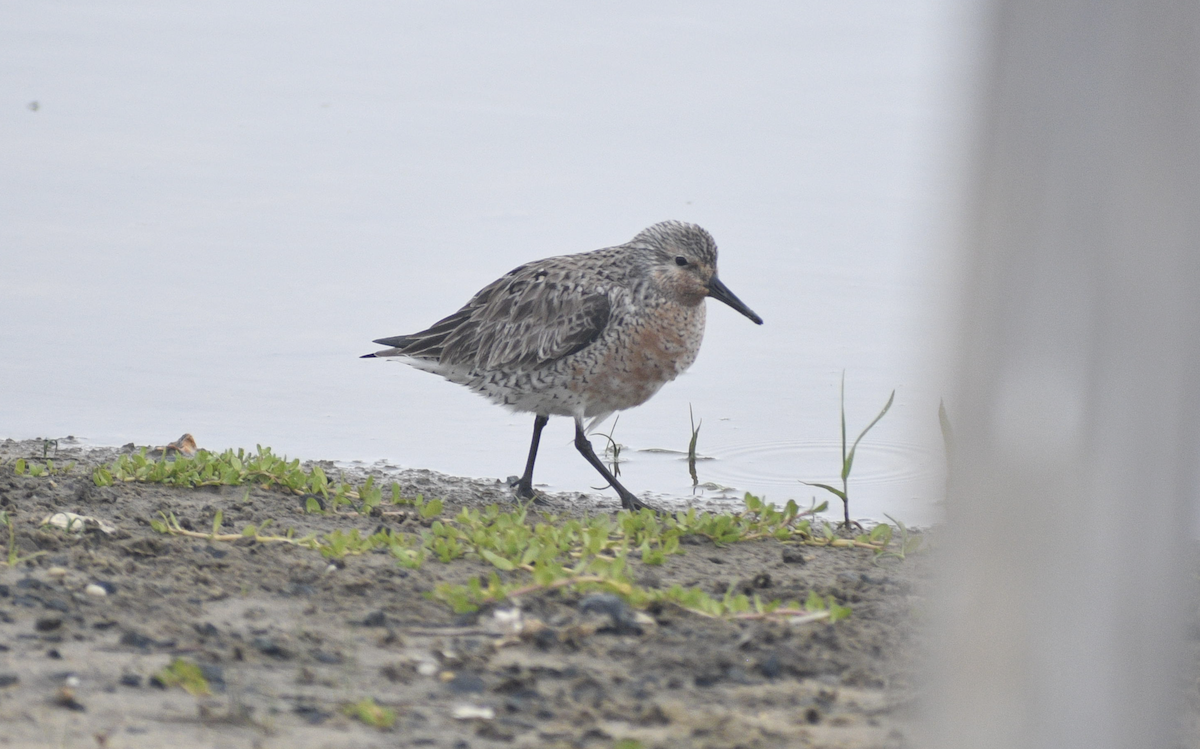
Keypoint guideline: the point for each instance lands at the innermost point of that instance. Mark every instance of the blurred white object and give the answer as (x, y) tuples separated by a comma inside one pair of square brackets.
[(1075, 414)]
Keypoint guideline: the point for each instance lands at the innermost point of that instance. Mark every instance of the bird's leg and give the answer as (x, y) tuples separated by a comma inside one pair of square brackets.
[(525, 484), (628, 501)]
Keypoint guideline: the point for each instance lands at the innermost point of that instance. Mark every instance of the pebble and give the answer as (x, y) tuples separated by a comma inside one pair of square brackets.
[(473, 712), (95, 590)]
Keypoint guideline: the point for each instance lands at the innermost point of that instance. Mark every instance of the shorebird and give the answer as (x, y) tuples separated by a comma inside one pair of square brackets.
[(580, 335)]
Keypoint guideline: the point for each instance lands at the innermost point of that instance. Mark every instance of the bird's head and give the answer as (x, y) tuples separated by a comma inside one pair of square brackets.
[(685, 265)]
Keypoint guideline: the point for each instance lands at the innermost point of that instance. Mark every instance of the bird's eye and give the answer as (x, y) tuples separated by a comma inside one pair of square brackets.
[(680, 260)]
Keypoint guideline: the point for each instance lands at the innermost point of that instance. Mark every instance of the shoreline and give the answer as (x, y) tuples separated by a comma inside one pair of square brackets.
[(353, 646), (426, 481)]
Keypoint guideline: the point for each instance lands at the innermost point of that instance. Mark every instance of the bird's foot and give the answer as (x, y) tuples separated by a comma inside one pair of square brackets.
[(524, 490), (633, 504)]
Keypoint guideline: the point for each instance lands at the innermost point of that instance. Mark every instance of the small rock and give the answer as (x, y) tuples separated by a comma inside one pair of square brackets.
[(48, 623), (132, 639), (311, 714), (9, 680), (70, 521), (271, 648), (130, 680), (57, 572), (472, 712), (375, 619), (772, 667), (93, 589), (185, 445), (207, 629), (466, 683), (792, 555), (66, 698), (624, 621)]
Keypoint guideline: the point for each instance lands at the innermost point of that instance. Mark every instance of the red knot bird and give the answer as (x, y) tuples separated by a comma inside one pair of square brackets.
[(580, 335)]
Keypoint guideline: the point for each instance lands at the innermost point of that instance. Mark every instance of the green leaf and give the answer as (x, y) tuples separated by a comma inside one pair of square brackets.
[(431, 509), (216, 526), (881, 533), (183, 673), (497, 561), (841, 494), (814, 602), (838, 612), (850, 458), (366, 711)]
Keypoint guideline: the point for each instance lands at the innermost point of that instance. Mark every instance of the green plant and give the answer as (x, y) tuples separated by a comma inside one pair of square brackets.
[(527, 551), (14, 556), (613, 447), (184, 674), (366, 711), (692, 447), (908, 542), (263, 468), (848, 456), (22, 467)]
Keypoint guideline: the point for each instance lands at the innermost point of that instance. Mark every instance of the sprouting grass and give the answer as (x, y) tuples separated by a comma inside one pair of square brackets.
[(848, 457), (184, 674), (22, 467), (14, 557), (692, 447), (366, 711), (528, 552), (613, 448), (234, 468)]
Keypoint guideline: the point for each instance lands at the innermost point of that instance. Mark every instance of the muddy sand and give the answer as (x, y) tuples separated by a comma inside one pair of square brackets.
[(285, 639)]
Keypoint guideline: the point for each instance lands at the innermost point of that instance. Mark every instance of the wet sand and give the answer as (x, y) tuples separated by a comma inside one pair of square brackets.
[(286, 639)]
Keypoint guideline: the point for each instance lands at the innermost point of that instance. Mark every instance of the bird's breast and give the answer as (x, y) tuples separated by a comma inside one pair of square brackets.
[(641, 356)]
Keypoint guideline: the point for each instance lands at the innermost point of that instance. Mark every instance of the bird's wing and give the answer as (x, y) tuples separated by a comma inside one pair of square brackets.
[(528, 318)]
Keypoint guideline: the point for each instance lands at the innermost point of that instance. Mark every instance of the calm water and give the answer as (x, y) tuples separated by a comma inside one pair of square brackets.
[(212, 209)]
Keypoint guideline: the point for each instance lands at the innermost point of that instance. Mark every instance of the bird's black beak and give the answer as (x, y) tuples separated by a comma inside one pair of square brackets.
[(721, 293)]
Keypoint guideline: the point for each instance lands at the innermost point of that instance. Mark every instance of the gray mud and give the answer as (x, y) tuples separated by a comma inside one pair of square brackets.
[(287, 639)]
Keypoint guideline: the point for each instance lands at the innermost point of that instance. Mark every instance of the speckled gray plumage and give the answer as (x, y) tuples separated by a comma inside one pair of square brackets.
[(580, 335), (527, 337)]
